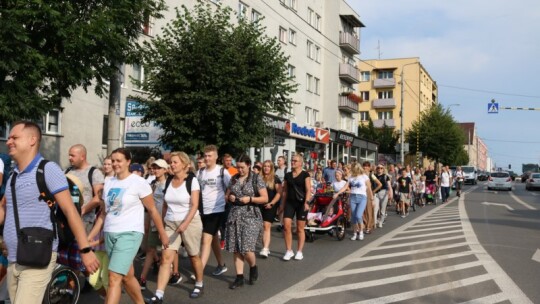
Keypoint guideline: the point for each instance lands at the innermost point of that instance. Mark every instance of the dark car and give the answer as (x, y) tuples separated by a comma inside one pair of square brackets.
[(483, 176), (525, 176)]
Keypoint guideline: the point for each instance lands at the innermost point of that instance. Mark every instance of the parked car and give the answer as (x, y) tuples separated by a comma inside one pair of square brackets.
[(471, 175), (533, 182), (500, 180)]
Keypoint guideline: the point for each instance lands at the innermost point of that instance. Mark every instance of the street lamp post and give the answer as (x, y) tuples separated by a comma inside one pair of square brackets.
[(402, 139)]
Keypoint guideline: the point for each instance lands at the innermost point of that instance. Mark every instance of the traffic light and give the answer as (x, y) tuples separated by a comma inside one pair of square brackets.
[(509, 166)]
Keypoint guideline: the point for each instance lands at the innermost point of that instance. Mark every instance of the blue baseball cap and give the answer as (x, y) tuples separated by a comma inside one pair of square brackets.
[(136, 167)]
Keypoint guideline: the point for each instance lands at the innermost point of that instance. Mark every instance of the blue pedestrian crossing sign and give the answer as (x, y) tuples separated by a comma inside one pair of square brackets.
[(493, 108)]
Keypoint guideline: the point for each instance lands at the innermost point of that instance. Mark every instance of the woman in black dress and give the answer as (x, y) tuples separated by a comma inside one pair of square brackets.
[(269, 210)]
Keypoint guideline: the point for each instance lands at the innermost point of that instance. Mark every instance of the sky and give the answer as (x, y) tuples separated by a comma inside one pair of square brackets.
[(476, 51)]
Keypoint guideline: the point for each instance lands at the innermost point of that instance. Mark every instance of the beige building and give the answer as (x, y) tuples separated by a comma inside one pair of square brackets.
[(388, 84)]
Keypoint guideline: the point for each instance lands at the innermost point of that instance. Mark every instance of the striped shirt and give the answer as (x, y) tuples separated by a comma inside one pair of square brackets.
[(32, 211)]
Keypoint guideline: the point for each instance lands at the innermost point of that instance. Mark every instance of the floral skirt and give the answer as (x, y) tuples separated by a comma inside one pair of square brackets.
[(243, 229)]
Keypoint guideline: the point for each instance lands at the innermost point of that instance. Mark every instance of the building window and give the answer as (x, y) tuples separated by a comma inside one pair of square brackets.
[(310, 16), (291, 71), (385, 94), (365, 76), (346, 121), (309, 80), (317, 24), (310, 49), (292, 36), (317, 85), (148, 25), (4, 131), (242, 10), (315, 116), (317, 54), (385, 115), (255, 16), (105, 130), (308, 115), (364, 95), (138, 76), (52, 122), (385, 75), (364, 115), (293, 4), (282, 35)]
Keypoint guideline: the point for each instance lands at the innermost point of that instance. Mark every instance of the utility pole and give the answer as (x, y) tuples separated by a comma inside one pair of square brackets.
[(113, 128)]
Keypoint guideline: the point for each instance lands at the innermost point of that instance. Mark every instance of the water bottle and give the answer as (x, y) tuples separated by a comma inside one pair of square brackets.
[(75, 195)]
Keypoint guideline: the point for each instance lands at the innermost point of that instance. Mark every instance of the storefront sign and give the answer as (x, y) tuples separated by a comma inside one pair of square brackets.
[(303, 132), (278, 123), (322, 136), (343, 137), (138, 133)]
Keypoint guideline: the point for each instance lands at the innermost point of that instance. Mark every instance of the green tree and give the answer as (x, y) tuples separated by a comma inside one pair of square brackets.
[(441, 138), (386, 136), (49, 48), (211, 80)]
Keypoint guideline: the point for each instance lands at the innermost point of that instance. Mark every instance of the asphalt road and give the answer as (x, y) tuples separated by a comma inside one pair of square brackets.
[(466, 251)]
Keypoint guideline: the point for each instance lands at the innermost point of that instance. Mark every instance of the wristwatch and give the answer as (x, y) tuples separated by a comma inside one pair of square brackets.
[(85, 250)]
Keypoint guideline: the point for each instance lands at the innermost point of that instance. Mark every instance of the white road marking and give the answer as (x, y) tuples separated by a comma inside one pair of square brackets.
[(421, 242), (495, 298), (405, 253), (536, 256), (447, 231), (432, 229), (517, 199), (497, 204)]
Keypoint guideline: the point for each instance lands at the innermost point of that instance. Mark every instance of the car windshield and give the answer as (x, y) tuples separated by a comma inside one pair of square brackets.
[(499, 174), (468, 169), (535, 175)]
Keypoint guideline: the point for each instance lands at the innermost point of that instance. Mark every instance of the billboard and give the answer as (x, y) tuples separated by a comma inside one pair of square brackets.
[(138, 133)]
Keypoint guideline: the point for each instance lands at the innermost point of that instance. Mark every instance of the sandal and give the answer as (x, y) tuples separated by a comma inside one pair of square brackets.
[(197, 292)]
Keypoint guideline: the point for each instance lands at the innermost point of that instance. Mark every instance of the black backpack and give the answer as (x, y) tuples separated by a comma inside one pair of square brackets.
[(189, 182), (60, 221)]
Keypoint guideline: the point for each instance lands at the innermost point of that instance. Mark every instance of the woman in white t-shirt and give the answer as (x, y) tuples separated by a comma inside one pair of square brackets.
[(126, 196), (340, 185), (182, 224), (360, 190), (445, 183)]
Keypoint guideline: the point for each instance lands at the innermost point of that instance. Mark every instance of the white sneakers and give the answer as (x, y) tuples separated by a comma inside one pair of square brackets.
[(354, 237), (289, 254), (361, 236), (357, 236), (265, 252)]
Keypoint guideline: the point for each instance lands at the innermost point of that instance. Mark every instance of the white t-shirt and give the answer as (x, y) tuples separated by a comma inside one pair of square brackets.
[(445, 179), (358, 184), (338, 185), (212, 189), (125, 211), (179, 201), (1, 166)]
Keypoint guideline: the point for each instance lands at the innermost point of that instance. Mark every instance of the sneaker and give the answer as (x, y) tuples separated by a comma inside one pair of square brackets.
[(354, 237), (403, 216), (142, 282), (193, 278), (220, 270), (288, 255), (153, 300), (175, 279), (196, 292), (299, 256), (264, 252), (380, 224), (361, 237)]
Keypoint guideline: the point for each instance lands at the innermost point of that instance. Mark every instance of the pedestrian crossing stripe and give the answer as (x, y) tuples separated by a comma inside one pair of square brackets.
[(493, 108)]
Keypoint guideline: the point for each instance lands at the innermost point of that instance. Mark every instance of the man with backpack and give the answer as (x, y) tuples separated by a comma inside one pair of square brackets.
[(28, 219), (92, 180), (213, 180)]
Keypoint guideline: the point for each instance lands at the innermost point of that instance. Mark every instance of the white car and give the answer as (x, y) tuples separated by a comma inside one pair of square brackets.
[(500, 180), (533, 182)]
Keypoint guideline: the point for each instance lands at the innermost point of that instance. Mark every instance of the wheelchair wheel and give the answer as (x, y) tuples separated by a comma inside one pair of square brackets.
[(310, 237), (340, 228), (64, 287)]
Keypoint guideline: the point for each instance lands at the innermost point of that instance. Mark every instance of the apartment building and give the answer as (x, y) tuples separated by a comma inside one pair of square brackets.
[(387, 84), (475, 148), (322, 39)]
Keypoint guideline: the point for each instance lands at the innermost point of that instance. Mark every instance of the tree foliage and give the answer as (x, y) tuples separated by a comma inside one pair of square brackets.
[(210, 80), (441, 138), (51, 47), (386, 137)]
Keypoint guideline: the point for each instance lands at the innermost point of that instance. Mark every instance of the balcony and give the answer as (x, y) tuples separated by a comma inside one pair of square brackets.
[(379, 123), (384, 83), (349, 43), (345, 104), (348, 73), (386, 103)]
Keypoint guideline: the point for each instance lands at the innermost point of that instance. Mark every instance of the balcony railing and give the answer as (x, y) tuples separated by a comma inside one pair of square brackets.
[(348, 73), (345, 104), (379, 123), (386, 103), (384, 83), (349, 43)]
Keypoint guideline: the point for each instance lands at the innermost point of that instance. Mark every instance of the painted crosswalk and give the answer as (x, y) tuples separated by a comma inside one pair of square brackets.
[(435, 258)]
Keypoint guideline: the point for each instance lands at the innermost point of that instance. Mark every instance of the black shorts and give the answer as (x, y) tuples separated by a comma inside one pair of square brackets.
[(212, 222), (269, 215), (291, 210)]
